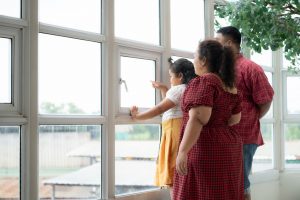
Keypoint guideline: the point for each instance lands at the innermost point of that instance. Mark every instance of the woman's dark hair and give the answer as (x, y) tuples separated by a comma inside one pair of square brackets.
[(183, 66), (220, 60)]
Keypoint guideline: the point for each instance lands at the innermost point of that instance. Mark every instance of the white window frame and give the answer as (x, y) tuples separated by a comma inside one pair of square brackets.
[(14, 108)]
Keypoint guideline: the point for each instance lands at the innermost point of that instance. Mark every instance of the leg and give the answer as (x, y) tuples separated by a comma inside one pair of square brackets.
[(248, 153)]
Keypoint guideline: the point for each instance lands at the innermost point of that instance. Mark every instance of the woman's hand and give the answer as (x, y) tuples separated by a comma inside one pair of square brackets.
[(181, 163), (134, 111)]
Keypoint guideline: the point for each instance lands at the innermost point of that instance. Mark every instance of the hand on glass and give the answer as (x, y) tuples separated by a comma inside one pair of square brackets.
[(181, 163), (133, 112)]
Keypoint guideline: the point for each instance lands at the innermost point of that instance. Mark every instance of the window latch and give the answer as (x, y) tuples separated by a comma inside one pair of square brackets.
[(123, 82)]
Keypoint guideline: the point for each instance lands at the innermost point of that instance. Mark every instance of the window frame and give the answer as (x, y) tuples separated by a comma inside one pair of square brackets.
[(13, 108)]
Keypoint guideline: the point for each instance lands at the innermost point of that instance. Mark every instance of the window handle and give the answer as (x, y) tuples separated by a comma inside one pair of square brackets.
[(123, 82)]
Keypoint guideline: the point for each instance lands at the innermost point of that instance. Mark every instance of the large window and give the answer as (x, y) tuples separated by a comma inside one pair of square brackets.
[(10, 162), (11, 8), (70, 76)]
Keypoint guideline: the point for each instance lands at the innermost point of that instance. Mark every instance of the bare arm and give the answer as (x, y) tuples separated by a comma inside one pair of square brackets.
[(162, 87), (234, 119), (198, 117), (263, 109), (160, 108)]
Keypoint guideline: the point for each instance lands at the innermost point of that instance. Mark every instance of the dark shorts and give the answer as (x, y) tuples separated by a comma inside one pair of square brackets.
[(248, 153)]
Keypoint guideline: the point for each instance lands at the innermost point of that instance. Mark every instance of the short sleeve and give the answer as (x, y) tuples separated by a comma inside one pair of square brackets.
[(262, 91), (200, 91), (174, 94), (238, 104)]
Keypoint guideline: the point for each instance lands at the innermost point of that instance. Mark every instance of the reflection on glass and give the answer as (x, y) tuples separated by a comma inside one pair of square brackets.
[(5, 70), (270, 112), (136, 87), (11, 8), (263, 158), (138, 20), (70, 164), (293, 93), (69, 76), (9, 162), (136, 150), (77, 14), (292, 145), (263, 59), (187, 24)]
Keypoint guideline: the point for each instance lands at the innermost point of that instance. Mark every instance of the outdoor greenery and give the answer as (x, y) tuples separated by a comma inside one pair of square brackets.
[(266, 24)]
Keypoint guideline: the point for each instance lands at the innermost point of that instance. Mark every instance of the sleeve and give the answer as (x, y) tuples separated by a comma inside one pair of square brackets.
[(174, 94), (237, 107), (262, 91), (200, 91)]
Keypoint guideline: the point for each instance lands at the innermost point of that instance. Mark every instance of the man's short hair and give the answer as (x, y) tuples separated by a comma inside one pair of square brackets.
[(231, 32)]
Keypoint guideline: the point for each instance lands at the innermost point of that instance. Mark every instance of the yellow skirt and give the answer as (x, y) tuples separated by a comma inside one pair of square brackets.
[(169, 143)]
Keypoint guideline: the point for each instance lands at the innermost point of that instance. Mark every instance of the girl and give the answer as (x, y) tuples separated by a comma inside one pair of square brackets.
[(181, 72)]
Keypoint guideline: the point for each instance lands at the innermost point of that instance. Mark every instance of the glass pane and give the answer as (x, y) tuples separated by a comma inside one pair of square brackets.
[(263, 158), (286, 63), (9, 162), (137, 20), (187, 24), (77, 14), (292, 145), (5, 70), (176, 58), (136, 150), (263, 59), (293, 93), (69, 76), (136, 87), (10, 8), (70, 164), (270, 112)]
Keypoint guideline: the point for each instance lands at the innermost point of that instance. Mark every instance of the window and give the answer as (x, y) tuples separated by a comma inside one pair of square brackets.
[(292, 98), (292, 144), (136, 150), (11, 8), (136, 89), (263, 59), (5, 70), (70, 76), (138, 20), (75, 14), (187, 24), (70, 161), (9, 162)]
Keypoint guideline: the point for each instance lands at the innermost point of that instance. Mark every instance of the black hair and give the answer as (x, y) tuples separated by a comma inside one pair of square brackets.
[(232, 32), (183, 66), (220, 60)]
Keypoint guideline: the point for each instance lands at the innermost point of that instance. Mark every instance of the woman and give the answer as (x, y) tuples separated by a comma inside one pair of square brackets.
[(209, 161)]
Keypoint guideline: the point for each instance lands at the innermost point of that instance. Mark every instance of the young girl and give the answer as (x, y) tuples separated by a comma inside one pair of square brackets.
[(181, 72)]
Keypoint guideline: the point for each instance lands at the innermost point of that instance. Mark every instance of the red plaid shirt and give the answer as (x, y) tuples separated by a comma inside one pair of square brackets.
[(255, 88)]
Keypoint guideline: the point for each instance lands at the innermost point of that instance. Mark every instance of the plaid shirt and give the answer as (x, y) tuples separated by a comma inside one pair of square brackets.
[(256, 90)]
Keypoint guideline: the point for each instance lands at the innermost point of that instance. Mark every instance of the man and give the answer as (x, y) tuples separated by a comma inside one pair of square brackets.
[(257, 94)]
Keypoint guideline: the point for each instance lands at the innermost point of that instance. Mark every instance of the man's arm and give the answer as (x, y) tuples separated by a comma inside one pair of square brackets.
[(264, 108)]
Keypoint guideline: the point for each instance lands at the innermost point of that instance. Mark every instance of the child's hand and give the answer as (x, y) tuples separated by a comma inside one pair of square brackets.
[(133, 112), (159, 85)]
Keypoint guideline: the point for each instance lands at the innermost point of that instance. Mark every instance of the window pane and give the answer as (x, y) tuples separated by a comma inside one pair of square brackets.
[(70, 164), (136, 150), (176, 58), (270, 112), (263, 158), (263, 59), (5, 70), (9, 162), (136, 88), (77, 14), (292, 145), (137, 20), (293, 93), (10, 8), (187, 24), (69, 76)]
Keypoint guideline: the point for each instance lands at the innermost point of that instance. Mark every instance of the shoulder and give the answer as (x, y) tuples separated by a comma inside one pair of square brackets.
[(204, 81), (245, 65)]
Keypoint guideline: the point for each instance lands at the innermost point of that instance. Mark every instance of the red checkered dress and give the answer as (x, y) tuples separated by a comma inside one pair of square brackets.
[(215, 169), (255, 89)]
